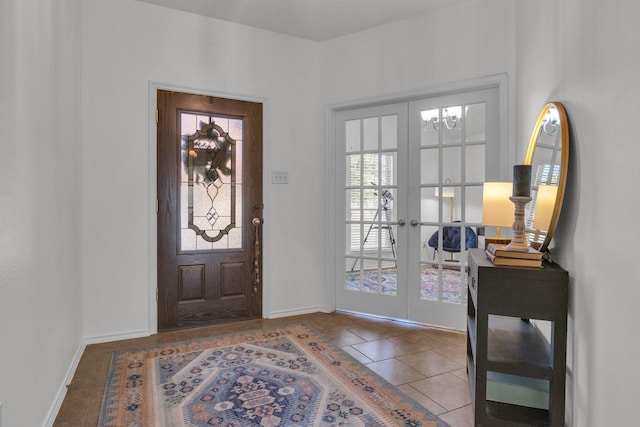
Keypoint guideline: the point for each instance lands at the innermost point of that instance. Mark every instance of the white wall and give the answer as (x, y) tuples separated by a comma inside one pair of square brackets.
[(127, 45), (584, 53), (40, 204), (454, 44)]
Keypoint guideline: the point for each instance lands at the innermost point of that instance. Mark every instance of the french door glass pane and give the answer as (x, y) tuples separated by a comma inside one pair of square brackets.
[(353, 205), (428, 251), (389, 126), (473, 204), (474, 161), (451, 164), (451, 203), (430, 133), (388, 168), (375, 281), (428, 205), (354, 178), (447, 285), (451, 125), (370, 169), (352, 136), (429, 165), (370, 128), (429, 282), (475, 120)]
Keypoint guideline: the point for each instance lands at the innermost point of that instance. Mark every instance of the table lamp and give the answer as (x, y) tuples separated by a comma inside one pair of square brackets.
[(497, 209)]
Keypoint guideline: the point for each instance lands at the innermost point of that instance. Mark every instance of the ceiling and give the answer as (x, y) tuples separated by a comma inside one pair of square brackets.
[(316, 20)]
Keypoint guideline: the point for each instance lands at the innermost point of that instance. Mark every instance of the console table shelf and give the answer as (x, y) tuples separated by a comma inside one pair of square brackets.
[(517, 378)]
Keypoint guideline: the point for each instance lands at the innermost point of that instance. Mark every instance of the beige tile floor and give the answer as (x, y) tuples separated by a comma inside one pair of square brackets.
[(427, 364)]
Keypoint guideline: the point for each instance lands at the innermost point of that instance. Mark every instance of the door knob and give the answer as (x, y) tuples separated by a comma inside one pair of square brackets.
[(402, 222), (414, 222)]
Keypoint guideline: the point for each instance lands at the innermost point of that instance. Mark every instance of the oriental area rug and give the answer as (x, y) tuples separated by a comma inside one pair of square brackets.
[(288, 376)]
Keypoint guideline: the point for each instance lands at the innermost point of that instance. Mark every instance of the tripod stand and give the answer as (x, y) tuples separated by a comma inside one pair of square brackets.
[(384, 206)]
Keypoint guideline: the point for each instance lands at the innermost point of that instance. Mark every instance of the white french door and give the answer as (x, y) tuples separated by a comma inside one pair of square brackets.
[(372, 209), (454, 148), (410, 203)]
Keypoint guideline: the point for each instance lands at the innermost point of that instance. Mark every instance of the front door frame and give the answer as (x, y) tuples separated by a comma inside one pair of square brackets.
[(506, 133), (152, 191)]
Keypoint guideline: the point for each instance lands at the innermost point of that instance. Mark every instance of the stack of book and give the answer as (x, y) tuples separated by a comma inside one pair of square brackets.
[(499, 255)]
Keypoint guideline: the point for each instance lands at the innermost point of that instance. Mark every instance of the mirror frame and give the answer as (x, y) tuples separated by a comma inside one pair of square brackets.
[(564, 163)]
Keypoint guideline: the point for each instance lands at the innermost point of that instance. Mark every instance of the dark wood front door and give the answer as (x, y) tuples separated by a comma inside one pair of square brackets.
[(209, 204)]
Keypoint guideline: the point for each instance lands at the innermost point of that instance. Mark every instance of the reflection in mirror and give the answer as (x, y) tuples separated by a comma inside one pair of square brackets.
[(545, 200), (548, 155)]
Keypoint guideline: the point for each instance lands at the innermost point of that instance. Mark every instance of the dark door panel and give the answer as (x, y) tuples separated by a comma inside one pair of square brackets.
[(209, 191)]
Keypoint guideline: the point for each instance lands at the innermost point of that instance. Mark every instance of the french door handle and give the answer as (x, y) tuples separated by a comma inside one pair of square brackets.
[(402, 222), (414, 222)]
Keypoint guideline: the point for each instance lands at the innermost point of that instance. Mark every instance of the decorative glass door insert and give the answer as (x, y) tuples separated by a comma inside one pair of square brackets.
[(210, 182)]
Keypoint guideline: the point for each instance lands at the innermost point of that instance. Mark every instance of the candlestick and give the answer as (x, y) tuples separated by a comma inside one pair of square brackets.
[(518, 241), (521, 180)]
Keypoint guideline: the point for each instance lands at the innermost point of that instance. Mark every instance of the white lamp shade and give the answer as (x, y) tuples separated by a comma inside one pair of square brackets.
[(545, 202), (497, 209)]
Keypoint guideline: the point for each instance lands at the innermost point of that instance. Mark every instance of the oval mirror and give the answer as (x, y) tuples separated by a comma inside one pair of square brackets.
[(548, 155)]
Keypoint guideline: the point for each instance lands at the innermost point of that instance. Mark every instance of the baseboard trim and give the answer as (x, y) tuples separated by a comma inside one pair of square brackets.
[(62, 391), (396, 319), (116, 337), (296, 312)]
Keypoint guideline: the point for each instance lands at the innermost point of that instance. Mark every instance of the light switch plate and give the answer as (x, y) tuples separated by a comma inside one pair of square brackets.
[(279, 177)]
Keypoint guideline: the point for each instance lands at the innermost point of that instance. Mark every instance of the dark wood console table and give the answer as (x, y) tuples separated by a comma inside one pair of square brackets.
[(509, 361)]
